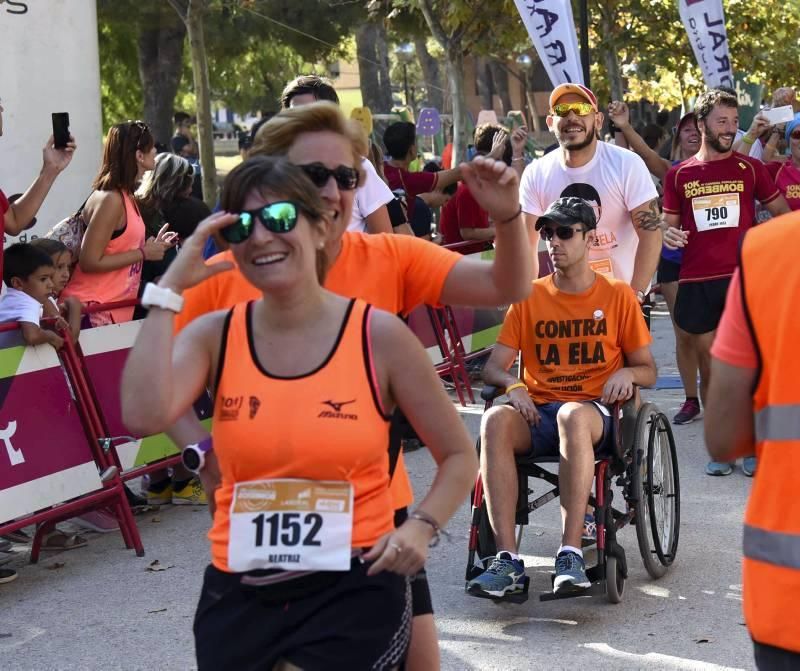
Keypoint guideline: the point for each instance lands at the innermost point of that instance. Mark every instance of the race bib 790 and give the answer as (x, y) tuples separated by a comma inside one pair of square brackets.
[(299, 525), (717, 211)]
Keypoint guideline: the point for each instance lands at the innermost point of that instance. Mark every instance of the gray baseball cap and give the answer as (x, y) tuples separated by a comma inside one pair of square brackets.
[(568, 211)]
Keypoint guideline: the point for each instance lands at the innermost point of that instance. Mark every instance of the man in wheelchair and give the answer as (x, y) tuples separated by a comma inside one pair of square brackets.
[(584, 345)]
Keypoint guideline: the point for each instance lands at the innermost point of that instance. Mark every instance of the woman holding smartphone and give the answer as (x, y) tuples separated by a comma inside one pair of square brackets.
[(114, 246), (307, 566)]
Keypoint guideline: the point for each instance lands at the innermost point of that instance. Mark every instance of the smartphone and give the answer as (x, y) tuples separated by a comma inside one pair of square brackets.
[(61, 129), (777, 115)]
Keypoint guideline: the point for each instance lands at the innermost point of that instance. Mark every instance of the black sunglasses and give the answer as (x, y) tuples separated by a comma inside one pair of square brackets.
[(280, 217), (346, 178), (562, 232)]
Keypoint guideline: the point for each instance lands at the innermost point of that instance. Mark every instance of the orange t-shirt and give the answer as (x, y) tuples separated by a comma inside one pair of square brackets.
[(572, 343), (268, 427), (395, 273)]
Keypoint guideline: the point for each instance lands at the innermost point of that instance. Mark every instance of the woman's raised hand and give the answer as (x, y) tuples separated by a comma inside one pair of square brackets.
[(190, 268)]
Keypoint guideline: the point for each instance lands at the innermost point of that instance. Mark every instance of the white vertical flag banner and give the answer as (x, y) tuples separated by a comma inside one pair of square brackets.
[(704, 21), (552, 30), (49, 62)]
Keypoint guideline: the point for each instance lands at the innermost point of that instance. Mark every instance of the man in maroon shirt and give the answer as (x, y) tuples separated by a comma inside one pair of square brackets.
[(709, 203), (14, 217), (400, 140)]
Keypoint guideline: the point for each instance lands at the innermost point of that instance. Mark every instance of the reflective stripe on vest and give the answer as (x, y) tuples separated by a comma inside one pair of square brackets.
[(772, 547), (778, 422)]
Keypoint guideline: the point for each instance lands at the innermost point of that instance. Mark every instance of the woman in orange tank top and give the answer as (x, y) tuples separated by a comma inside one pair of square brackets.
[(114, 245), (307, 566)]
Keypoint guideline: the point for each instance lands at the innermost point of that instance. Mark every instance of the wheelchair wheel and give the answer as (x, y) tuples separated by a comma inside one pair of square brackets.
[(615, 581), (655, 490), (485, 546), (663, 490)]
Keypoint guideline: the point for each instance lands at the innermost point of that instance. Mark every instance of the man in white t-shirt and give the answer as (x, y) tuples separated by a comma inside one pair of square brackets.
[(614, 181), (369, 210)]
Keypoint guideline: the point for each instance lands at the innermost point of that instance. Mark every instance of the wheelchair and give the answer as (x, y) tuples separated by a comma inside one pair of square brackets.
[(643, 467)]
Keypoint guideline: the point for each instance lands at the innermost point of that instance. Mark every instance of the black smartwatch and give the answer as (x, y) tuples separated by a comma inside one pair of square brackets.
[(194, 456)]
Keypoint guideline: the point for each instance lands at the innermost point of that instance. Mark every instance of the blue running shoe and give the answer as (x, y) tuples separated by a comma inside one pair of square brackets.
[(570, 573), (749, 466), (504, 576), (718, 468)]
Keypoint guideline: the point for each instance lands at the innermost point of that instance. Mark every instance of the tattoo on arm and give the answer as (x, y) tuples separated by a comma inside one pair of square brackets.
[(649, 219)]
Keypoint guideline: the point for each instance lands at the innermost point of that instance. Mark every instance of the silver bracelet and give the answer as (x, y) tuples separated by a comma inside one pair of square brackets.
[(437, 530)]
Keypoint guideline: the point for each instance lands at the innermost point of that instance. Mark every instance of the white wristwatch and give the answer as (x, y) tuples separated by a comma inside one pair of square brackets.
[(155, 296)]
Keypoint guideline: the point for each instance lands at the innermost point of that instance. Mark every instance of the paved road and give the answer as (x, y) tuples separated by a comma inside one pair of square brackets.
[(99, 606)]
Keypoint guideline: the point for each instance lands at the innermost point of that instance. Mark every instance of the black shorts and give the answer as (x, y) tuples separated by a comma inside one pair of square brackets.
[(770, 658), (544, 436), (699, 305), (361, 622), (668, 271), (421, 603)]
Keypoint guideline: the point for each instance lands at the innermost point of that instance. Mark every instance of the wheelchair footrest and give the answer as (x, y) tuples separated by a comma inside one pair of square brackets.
[(595, 589), (516, 597)]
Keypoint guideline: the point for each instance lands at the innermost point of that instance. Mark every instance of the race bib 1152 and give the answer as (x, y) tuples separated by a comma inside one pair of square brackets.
[(299, 525)]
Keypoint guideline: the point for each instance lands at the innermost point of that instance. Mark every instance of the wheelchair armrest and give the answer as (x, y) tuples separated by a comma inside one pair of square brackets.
[(490, 392)]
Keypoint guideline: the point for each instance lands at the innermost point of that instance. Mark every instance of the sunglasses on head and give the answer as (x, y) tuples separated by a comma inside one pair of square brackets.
[(346, 178), (561, 232), (280, 217), (581, 109), (795, 134)]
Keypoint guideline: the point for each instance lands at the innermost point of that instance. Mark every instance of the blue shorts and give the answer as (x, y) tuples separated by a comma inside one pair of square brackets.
[(544, 437)]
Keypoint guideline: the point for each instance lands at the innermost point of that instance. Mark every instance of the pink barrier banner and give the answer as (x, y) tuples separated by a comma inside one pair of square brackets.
[(105, 351), (45, 458)]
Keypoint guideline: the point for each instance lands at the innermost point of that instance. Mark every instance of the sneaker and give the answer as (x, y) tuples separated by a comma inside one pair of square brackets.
[(589, 529), (570, 573), (97, 520), (749, 466), (718, 468), (504, 576), (690, 411), (7, 575), (192, 494), (159, 493)]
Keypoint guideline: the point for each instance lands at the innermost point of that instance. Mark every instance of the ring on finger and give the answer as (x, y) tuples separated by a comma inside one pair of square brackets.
[(396, 547)]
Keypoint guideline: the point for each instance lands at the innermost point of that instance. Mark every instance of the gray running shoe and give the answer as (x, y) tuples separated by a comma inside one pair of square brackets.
[(749, 466), (718, 468), (504, 576), (570, 573)]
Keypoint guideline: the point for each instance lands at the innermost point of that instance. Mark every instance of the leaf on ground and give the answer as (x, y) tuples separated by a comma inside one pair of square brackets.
[(55, 566), (160, 610), (156, 565), (156, 519), (702, 640)]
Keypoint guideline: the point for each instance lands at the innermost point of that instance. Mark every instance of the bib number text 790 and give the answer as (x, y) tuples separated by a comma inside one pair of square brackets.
[(287, 529)]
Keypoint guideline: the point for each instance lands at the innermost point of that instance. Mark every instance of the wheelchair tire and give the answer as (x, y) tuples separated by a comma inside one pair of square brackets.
[(663, 493), (639, 484), (615, 581)]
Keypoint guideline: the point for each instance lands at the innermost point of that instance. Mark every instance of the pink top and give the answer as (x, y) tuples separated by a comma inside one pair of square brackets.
[(116, 285)]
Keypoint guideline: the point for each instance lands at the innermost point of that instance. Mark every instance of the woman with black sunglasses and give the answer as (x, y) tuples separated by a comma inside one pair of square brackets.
[(115, 246), (396, 273), (307, 565)]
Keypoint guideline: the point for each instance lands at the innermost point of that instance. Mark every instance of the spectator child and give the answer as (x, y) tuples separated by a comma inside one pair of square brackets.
[(28, 274), (70, 309)]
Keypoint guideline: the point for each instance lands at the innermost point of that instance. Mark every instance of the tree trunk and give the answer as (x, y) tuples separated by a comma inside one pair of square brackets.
[(455, 70), (500, 80), (610, 55), (430, 71), (160, 51), (202, 90), (483, 78), (384, 80), (373, 93)]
